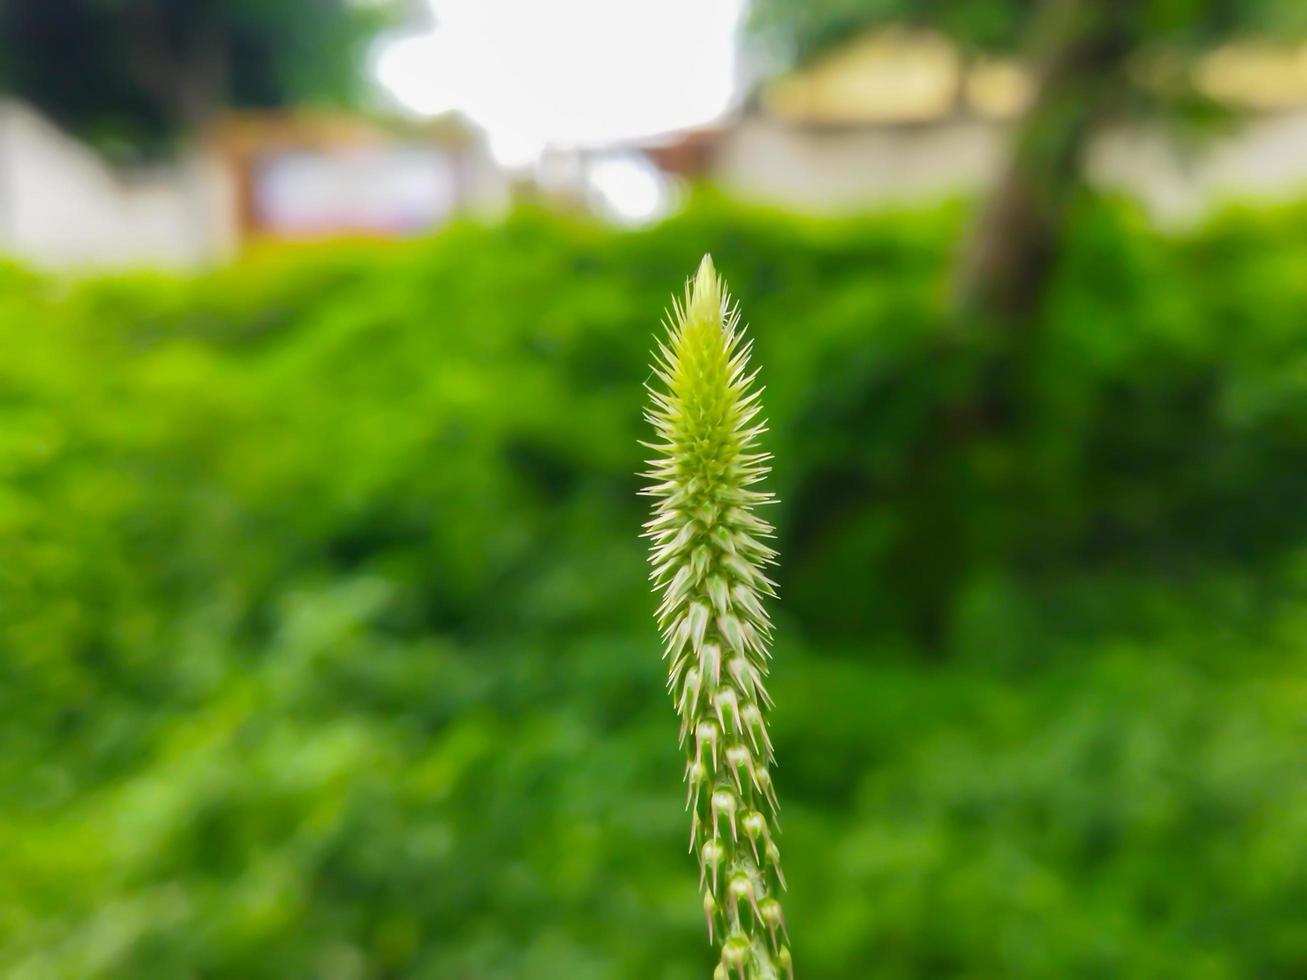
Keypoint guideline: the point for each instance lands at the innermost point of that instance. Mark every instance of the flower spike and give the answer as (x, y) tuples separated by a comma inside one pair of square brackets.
[(708, 556)]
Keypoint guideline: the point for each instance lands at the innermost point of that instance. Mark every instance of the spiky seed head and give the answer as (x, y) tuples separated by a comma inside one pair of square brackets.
[(713, 852), (735, 950), (741, 889), (708, 558)]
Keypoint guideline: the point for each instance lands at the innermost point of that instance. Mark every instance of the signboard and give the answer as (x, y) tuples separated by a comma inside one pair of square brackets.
[(377, 189)]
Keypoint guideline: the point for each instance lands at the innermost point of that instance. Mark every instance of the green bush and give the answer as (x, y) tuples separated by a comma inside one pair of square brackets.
[(323, 613)]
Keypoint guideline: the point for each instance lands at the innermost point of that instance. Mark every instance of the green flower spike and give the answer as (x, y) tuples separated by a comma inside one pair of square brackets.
[(708, 557)]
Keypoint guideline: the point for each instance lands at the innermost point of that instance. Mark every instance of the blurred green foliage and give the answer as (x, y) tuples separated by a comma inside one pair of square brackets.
[(134, 77), (804, 29), (326, 650)]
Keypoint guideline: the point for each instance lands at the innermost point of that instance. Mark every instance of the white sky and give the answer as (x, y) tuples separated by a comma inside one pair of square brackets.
[(569, 73)]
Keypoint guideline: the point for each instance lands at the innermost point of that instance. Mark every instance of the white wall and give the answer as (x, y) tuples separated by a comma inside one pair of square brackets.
[(1263, 160), (62, 206), (833, 170)]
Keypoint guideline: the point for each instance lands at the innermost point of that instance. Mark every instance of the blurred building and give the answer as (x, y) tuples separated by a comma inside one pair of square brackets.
[(897, 117), (304, 175), (891, 118), (256, 177)]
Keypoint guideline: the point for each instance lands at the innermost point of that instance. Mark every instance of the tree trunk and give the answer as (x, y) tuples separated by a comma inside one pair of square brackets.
[(1080, 50), (1079, 53)]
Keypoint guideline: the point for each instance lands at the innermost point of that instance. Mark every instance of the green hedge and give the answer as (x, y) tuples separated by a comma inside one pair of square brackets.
[(326, 650)]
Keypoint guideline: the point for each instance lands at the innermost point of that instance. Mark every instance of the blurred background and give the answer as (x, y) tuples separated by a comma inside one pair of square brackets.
[(326, 649)]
